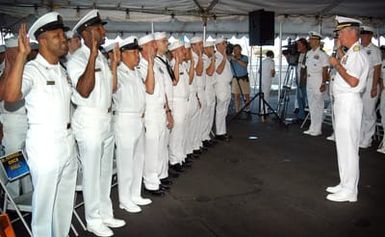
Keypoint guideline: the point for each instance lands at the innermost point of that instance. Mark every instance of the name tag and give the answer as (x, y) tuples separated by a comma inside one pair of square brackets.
[(50, 83), (181, 73), (98, 70)]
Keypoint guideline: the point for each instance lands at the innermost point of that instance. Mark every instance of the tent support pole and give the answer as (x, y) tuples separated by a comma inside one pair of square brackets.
[(280, 60)]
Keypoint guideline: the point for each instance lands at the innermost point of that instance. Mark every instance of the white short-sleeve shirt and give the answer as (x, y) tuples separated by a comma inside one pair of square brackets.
[(374, 55), (47, 92), (158, 97), (226, 76), (181, 90), (130, 95), (267, 67), (165, 76), (101, 95), (356, 63), (316, 60)]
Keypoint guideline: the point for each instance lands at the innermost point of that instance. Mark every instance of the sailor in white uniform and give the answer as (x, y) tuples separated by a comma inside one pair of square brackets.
[(129, 104), (371, 93), (349, 83), (44, 85), (223, 77), (381, 148), (317, 73), (93, 83)]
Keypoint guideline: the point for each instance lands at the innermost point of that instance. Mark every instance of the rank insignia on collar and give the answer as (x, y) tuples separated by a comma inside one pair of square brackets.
[(356, 48)]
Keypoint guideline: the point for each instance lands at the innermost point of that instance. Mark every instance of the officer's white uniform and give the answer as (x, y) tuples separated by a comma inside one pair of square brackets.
[(179, 111), (382, 107), (368, 124), (49, 143), (129, 103), (267, 67), (155, 124), (93, 132), (348, 114), (222, 93), (316, 60)]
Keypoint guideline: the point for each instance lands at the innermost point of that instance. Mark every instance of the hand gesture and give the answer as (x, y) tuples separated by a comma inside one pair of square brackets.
[(322, 88), (333, 61), (373, 92), (151, 55), (170, 121), (115, 59), (24, 46), (94, 44)]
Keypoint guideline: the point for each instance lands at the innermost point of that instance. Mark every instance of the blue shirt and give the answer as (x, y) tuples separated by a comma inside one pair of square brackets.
[(237, 69)]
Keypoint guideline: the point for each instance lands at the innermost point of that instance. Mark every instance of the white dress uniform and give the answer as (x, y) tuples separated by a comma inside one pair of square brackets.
[(267, 67), (50, 146), (348, 114), (382, 107), (168, 87), (155, 124), (129, 103), (222, 93), (179, 110), (192, 117), (368, 125), (93, 133), (316, 60), (210, 98)]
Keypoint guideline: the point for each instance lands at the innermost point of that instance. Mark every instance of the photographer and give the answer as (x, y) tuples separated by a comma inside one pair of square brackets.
[(239, 64), (302, 47)]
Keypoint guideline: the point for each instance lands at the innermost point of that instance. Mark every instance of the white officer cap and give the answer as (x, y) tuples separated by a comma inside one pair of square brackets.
[(69, 34), (145, 39), (12, 42), (367, 30), (187, 45), (34, 46), (209, 44), (196, 39), (129, 43), (109, 47), (343, 22), (220, 40), (2, 48), (91, 18), (315, 35), (47, 22), (175, 45), (160, 35)]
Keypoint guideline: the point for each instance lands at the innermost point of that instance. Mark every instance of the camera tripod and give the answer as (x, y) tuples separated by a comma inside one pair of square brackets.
[(263, 104)]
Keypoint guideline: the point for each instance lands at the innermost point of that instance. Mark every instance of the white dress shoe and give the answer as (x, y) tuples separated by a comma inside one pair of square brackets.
[(114, 223), (342, 197), (141, 201), (331, 138), (315, 134), (334, 189), (132, 208), (381, 150), (100, 230), (307, 132)]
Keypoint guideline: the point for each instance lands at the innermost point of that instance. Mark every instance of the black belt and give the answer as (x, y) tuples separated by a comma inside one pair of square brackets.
[(245, 77)]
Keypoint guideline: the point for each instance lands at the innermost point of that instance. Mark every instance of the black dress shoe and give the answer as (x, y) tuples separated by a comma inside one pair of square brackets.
[(207, 143), (177, 168), (165, 181), (197, 152), (223, 138), (155, 193), (186, 165), (173, 174), (203, 148), (163, 187), (188, 160), (213, 141)]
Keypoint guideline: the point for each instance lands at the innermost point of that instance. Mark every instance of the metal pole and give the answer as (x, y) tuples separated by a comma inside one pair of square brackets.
[(204, 33), (152, 27), (280, 60)]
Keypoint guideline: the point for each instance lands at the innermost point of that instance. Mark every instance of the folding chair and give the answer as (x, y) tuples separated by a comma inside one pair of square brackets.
[(13, 167)]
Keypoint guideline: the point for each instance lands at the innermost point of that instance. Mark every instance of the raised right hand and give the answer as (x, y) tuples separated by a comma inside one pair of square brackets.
[(24, 47)]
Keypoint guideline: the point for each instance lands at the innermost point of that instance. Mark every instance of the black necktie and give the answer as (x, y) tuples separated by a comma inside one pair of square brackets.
[(169, 69)]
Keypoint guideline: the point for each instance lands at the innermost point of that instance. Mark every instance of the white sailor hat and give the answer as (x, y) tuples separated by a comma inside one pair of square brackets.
[(71, 34), (175, 45), (220, 40), (34, 46), (209, 44), (2, 48), (187, 45), (367, 30), (145, 39), (12, 42), (109, 47), (315, 35), (196, 39), (160, 35), (129, 43), (47, 22), (343, 22), (91, 18)]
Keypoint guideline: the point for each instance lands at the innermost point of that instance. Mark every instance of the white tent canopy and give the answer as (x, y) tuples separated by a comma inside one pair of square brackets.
[(223, 17)]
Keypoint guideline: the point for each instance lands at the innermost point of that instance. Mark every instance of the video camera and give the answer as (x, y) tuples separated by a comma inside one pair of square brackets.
[(230, 48), (290, 51)]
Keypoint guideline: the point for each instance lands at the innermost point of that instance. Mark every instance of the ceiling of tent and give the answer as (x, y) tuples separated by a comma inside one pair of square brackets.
[(223, 17)]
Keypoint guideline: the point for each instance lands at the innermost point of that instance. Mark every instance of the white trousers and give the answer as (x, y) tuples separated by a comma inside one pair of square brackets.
[(129, 140), (93, 132), (348, 115), (368, 124), (209, 115), (316, 108), (177, 137), (223, 96), (164, 156), (155, 124), (382, 112), (15, 131), (192, 123), (266, 88), (53, 167), (202, 115)]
